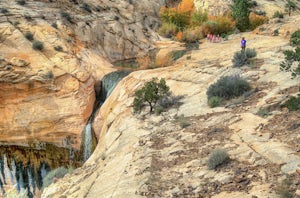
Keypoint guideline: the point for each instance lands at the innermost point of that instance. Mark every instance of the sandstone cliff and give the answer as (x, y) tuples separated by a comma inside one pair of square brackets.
[(58, 81), (153, 156)]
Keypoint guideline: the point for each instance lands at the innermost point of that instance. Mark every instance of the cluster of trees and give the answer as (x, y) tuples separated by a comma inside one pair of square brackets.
[(184, 23)]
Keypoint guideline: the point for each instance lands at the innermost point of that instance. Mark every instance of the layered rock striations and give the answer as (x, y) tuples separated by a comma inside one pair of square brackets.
[(158, 156), (48, 95)]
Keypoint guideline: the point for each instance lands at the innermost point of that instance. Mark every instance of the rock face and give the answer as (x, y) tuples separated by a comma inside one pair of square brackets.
[(58, 81), (160, 156)]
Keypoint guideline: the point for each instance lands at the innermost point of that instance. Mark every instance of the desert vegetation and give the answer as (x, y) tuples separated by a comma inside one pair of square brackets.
[(184, 23), (225, 88), (155, 94)]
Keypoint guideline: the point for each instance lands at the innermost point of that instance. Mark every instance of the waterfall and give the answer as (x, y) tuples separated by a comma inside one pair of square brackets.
[(87, 146), (110, 81)]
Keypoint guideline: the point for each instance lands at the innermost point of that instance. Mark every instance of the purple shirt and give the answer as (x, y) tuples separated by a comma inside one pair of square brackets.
[(243, 42)]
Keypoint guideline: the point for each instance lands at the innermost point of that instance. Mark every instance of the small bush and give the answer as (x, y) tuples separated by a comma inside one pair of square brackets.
[(256, 20), (214, 101), (216, 158), (228, 87), (263, 113), (58, 48), (167, 30), (192, 35), (276, 32), (198, 18), (291, 62), (293, 104), (3, 10), (86, 7), (182, 121), (49, 75), (54, 24), (241, 58), (179, 18), (250, 53), (178, 54), (278, 14), (21, 2), (29, 36), (56, 173), (295, 38), (38, 45), (66, 16), (16, 23)]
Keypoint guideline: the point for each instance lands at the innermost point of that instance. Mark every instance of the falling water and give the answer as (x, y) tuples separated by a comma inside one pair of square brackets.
[(87, 147)]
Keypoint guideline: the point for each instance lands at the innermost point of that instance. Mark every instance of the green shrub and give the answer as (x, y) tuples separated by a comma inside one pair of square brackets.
[(54, 24), (182, 121), (56, 173), (250, 53), (149, 94), (66, 16), (58, 48), (228, 87), (178, 54), (198, 18), (167, 29), (295, 38), (21, 2), (3, 10), (278, 14), (29, 36), (240, 12), (293, 104), (276, 32), (216, 158), (178, 18), (291, 57), (241, 58), (38, 45), (86, 7), (263, 113), (214, 101), (49, 75)]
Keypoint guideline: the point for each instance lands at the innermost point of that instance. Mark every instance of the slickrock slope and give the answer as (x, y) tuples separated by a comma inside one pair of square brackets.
[(48, 95), (153, 156)]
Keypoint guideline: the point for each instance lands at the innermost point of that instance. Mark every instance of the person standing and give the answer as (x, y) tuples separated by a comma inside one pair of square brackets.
[(243, 44)]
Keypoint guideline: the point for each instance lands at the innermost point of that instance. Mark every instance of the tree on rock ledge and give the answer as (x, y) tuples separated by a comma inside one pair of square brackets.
[(149, 94)]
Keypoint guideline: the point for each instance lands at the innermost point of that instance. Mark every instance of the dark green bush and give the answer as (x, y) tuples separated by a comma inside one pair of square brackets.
[(149, 94), (295, 38), (291, 57), (228, 87), (29, 36), (198, 18), (86, 7), (278, 14), (214, 101), (241, 58), (66, 16), (56, 173), (58, 48), (38, 45), (250, 53), (293, 104), (21, 2), (54, 25), (216, 158), (3, 10)]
